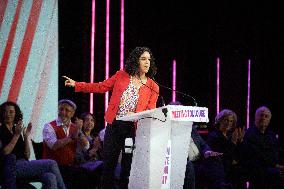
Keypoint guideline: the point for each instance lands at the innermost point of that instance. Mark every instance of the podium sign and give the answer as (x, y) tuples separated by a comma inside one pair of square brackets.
[(162, 141)]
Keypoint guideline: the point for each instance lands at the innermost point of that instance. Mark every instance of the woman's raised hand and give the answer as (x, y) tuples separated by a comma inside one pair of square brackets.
[(69, 82)]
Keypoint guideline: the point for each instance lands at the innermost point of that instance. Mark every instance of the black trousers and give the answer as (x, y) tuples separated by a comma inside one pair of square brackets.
[(114, 142), (8, 171)]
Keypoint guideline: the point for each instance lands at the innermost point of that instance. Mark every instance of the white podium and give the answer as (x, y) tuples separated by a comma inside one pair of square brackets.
[(161, 145)]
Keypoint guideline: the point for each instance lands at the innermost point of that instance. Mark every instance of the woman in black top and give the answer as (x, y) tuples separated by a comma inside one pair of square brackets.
[(15, 140), (227, 138)]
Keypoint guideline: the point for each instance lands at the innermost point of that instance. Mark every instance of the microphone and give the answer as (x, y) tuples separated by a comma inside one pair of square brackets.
[(164, 110), (183, 94), (163, 101)]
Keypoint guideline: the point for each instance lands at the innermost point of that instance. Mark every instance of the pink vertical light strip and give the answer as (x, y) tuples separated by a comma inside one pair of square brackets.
[(248, 95), (174, 81), (122, 34), (92, 53), (218, 86), (107, 51)]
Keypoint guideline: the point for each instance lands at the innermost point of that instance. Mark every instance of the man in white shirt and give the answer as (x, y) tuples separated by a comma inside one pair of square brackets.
[(61, 139)]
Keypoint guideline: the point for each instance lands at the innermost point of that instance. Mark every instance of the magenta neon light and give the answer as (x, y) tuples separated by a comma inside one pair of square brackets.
[(174, 81), (248, 95), (218, 86), (92, 53), (122, 34), (107, 52)]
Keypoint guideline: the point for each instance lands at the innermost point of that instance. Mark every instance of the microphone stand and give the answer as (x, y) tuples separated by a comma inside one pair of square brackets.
[(164, 110), (183, 94)]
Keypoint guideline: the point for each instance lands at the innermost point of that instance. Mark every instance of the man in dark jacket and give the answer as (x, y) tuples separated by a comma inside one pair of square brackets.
[(203, 165), (261, 153)]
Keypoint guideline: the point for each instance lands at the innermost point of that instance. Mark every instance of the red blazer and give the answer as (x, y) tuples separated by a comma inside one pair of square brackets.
[(118, 84)]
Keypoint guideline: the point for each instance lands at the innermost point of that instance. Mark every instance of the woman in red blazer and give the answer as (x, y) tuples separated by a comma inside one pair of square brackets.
[(133, 90)]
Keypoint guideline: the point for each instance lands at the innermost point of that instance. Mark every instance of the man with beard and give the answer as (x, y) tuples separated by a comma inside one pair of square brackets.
[(60, 141)]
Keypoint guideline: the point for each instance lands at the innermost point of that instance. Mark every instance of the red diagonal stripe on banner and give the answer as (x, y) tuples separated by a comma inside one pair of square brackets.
[(45, 75), (3, 6), (10, 41), (25, 50), (43, 86)]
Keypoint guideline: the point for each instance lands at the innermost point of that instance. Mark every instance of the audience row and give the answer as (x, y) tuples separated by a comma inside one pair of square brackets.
[(73, 154)]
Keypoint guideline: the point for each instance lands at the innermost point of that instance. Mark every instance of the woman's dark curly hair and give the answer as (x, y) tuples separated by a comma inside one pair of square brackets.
[(132, 62), (18, 116)]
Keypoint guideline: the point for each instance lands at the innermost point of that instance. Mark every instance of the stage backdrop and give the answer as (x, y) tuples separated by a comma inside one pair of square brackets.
[(29, 59)]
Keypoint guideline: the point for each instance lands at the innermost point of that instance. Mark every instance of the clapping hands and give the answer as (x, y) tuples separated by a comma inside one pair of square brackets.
[(20, 128), (238, 135), (27, 130)]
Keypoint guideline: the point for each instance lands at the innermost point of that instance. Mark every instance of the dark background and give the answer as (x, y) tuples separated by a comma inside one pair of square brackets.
[(193, 33)]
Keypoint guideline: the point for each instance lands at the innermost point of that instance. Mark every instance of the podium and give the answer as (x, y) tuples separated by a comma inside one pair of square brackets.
[(161, 145)]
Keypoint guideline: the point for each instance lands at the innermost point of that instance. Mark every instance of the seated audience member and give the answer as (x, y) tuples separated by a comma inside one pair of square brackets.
[(204, 167), (15, 141), (95, 151), (60, 141), (227, 138), (261, 153), (90, 159)]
